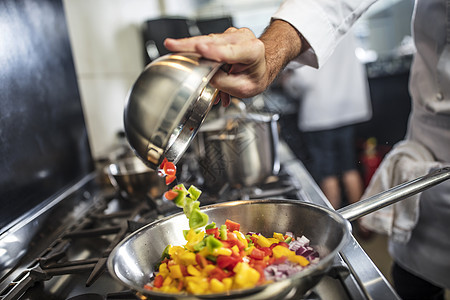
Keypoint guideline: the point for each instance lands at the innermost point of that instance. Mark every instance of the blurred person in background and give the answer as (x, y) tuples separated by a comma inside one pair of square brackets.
[(332, 100), (309, 31)]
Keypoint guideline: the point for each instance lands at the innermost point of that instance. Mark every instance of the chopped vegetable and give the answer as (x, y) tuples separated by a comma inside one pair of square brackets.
[(232, 226), (220, 259), (167, 169), (217, 259)]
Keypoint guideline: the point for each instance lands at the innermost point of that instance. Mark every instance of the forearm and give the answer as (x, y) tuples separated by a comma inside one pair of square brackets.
[(282, 44)]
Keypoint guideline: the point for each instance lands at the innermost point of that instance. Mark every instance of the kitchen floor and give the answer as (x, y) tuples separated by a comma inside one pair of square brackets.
[(376, 248)]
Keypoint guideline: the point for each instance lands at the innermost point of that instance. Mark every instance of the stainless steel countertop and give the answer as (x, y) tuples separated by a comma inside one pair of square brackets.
[(372, 282)]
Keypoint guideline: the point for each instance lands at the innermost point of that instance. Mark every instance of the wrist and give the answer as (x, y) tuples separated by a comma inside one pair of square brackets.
[(282, 43)]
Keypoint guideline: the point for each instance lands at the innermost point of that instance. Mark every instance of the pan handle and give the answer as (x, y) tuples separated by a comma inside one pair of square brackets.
[(395, 194)]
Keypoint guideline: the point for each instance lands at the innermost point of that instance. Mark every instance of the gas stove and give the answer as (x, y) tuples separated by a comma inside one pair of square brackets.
[(60, 251)]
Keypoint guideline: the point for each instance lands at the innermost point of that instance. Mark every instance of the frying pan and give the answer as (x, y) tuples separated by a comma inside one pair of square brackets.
[(133, 261)]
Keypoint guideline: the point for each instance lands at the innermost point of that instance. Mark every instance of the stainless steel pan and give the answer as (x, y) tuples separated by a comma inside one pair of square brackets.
[(133, 261)]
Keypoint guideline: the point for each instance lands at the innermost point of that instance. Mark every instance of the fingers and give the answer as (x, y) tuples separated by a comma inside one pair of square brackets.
[(224, 97), (236, 47), (230, 46)]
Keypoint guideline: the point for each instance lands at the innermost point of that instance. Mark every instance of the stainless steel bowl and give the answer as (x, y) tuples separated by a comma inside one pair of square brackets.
[(167, 104), (134, 180)]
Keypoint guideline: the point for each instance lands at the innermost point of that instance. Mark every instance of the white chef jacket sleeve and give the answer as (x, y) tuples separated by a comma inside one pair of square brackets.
[(322, 23)]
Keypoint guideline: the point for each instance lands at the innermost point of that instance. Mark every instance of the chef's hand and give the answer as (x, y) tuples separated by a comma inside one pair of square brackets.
[(251, 63)]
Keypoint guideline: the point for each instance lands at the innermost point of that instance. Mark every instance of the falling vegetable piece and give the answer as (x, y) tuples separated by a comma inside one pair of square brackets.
[(167, 169), (170, 195)]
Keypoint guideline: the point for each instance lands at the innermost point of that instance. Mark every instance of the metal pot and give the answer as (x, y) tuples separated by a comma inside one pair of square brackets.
[(134, 180), (167, 104), (239, 149), (133, 261)]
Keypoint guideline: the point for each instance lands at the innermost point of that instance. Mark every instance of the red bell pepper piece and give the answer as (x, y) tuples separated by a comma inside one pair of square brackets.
[(231, 237), (157, 283), (163, 163), (232, 226), (201, 260), (170, 195), (213, 231), (267, 251), (180, 285), (184, 270), (170, 179), (170, 169), (286, 245), (218, 273), (226, 244), (257, 254), (227, 262), (255, 241), (277, 261)]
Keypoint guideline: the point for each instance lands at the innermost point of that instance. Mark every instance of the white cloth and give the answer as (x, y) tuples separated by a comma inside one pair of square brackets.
[(407, 161), (332, 96)]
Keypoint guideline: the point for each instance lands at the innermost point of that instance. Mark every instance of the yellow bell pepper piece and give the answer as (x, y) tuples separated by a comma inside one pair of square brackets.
[(262, 241), (228, 283), (197, 285), (193, 271), (302, 261), (246, 276), (249, 250), (222, 251), (188, 258), (278, 236), (241, 237), (208, 269), (194, 238), (279, 251), (168, 289), (163, 270), (167, 281), (176, 250), (235, 249), (273, 240), (216, 286), (175, 271)]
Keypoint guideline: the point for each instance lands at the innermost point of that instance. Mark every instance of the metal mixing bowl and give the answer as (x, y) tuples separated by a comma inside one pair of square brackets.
[(134, 180), (167, 104)]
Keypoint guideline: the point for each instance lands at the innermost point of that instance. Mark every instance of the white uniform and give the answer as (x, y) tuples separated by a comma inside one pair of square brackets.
[(335, 95), (323, 23)]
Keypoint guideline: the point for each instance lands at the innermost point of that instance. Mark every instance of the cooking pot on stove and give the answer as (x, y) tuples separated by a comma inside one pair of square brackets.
[(167, 104), (134, 181), (241, 149)]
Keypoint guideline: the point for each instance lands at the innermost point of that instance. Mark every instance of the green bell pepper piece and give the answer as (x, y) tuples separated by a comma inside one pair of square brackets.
[(211, 258), (194, 192), (181, 198), (187, 209), (165, 253), (200, 245), (210, 226), (212, 243), (223, 232), (197, 219)]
